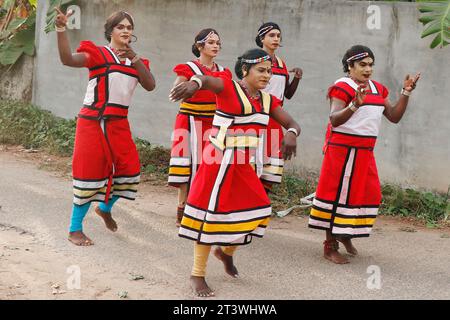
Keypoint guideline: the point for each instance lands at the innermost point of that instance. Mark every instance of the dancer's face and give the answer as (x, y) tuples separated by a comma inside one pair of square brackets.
[(211, 47), (122, 32), (259, 75), (362, 69), (272, 39)]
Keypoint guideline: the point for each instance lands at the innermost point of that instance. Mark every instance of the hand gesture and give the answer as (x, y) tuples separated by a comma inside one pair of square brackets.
[(61, 18), (289, 145), (410, 83), (183, 90), (298, 72), (126, 52), (360, 95)]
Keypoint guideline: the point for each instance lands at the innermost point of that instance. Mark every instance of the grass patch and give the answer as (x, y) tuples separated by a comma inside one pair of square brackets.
[(27, 125), (24, 124)]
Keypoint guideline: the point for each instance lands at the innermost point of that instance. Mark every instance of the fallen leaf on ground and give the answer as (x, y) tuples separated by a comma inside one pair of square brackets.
[(136, 277), (407, 229)]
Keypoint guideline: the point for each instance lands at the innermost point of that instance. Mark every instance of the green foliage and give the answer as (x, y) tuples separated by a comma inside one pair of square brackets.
[(32, 127), (436, 20), (17, 35), (430, 207), (292, 188), (51, 13), (154, 159)]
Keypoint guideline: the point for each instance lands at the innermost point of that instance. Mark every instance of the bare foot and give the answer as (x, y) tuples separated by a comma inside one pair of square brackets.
[(80, 239), (227, 262), (107, 217), (330, 252), (180, 212), (349, 246), (336, 257), (200, 287)]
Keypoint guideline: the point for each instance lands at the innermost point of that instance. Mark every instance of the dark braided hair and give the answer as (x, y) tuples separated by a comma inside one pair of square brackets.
[(261, 36), (356, 49), (113, 20), (201, 35)]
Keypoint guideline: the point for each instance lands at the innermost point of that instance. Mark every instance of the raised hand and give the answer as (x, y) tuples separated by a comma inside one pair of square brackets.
[(183, 91), (298, 72), (61, 18), (410, 83), (126, 53), (360, 95)]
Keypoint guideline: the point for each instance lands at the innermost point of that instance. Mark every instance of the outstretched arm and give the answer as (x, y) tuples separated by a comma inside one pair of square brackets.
[(292, 88), (395, 113), (76, 60), (289, 143), (187, 89)]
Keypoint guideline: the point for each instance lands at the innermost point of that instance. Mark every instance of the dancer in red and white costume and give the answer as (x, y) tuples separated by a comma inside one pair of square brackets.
[(348, 194), (194, 120), (269, 38), (227, 205), (105, 160)]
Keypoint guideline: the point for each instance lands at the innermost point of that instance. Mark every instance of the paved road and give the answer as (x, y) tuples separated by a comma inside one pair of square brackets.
[(285, 264)]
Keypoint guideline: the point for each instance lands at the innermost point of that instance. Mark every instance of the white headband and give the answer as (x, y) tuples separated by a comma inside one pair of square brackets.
[(206, 38)]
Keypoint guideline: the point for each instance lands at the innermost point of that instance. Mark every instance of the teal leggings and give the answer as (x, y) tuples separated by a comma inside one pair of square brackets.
[(80, 211)]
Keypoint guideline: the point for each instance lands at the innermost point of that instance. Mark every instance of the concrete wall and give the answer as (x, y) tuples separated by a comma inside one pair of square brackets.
[(316, 34), (16, 82)]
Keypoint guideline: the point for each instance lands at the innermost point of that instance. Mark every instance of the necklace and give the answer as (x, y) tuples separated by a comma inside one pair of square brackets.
[(247, 92), (212, 69)]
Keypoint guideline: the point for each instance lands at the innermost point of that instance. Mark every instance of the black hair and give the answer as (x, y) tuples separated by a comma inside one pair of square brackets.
[(259, 37), (114, 19), (200, 36), (354, 50), (248, 55)]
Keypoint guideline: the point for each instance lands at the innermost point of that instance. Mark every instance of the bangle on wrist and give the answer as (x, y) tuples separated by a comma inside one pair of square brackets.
[(405, 92), (198, 80), (294, 131), (135, 59), (352, 106), (60, 29)]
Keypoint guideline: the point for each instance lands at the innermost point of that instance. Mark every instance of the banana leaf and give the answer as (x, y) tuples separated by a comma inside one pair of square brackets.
[(436, 20), (51, 13)]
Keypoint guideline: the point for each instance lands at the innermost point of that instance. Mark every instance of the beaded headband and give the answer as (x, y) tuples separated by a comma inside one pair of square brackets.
[(206, 38), (264, 30), (358, 56), (255, 61)]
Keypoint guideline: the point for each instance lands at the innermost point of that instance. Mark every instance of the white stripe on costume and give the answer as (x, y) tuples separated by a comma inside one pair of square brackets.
[(346, 179), (355, 212), (227, 158), (121, 180), (113, 54), (178, 179), (89, 98), (323, 205), (195, 68), (352, 231), (224, 238), (373, 88), (194, 147), (90, 184), (180, 161), (319, 223)]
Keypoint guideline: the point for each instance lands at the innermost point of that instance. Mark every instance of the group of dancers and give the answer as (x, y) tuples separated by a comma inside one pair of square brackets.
[(228, 146)]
